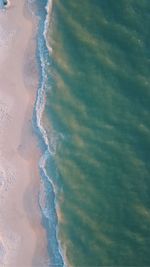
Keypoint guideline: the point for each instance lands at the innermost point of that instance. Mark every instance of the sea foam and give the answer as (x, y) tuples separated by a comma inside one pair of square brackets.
[(49, 149)]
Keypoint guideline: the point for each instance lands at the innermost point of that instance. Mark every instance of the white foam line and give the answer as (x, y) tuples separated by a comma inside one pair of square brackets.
[(40, 106)]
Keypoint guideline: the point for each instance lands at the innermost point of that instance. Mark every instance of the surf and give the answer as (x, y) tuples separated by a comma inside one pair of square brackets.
[(49, 211)]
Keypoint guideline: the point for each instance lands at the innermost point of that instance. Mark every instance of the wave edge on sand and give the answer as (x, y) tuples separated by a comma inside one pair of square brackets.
[(49, 213)]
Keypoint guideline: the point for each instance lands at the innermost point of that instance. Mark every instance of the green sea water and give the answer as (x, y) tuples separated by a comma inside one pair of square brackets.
[(98, 112)]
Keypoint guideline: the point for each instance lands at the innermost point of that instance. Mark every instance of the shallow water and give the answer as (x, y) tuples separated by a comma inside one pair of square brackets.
[(97, 120)]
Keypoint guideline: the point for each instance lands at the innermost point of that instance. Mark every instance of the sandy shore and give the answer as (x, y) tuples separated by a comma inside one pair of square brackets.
[(22, 237)]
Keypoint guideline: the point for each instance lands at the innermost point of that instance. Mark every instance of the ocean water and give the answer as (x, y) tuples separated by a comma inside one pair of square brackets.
[(96, 121)]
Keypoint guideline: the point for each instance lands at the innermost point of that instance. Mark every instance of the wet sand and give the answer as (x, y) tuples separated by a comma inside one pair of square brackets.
[(22, 237)]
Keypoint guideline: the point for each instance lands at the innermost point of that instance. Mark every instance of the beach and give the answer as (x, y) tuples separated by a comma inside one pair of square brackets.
[(74, 133), (22, 236)]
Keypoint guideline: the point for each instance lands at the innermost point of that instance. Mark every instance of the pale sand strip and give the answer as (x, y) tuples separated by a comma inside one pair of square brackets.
[(22, 237)]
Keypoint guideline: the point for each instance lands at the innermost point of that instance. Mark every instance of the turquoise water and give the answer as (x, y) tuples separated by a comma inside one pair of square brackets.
[(97, 116)]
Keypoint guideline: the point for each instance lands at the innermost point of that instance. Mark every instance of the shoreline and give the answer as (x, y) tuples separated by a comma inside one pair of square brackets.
[(49, 211), (23, 239)]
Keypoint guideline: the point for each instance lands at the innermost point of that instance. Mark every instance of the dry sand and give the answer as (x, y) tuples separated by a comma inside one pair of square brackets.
[(22, 237)]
